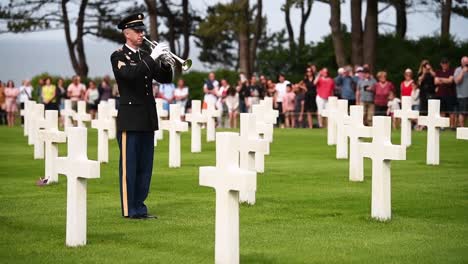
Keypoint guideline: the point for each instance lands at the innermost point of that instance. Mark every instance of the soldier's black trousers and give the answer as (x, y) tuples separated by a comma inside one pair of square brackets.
[(135, 169)]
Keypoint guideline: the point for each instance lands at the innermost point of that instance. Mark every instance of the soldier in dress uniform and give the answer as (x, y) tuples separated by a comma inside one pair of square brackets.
[(134, 71)]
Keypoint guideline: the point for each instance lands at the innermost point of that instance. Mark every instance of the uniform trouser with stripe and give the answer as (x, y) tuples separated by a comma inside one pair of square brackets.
[(135, 169)]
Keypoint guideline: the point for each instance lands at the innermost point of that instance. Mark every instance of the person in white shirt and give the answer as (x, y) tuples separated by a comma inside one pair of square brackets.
[(281, 91), (392, 105), (181, 94), (25, 94)]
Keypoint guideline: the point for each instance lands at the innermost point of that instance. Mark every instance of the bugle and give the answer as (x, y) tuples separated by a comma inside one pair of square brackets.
[(186, 64)]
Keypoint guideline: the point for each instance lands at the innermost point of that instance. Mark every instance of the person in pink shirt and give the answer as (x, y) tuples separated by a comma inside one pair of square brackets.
[(288, 106), (76, 91), (382, 91), (11, 93), (408, 84), (325, 86)]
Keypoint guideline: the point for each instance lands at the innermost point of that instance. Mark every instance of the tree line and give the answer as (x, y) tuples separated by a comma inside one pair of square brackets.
[(230, 35)]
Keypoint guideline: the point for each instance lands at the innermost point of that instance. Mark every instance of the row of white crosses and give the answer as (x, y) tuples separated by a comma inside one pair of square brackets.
[(43, 130), (81, 116), (381, 151), (338, 118), (176, 126), (76, 167)]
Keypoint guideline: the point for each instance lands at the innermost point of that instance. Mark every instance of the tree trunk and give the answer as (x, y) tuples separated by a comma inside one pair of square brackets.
[(305, 14), (243, 27), (370, 34), (401, 22), (185, 29), (170, 25), (446, 8), (78, 60), (337, 36), (287, 15), (153, 19), (79, 40), (356, 32), (256, 36)]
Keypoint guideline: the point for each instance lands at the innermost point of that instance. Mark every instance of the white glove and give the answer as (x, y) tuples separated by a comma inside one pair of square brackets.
[(159, 50)]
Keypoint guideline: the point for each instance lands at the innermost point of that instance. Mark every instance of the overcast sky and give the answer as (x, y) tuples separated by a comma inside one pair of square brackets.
[(25, 55)]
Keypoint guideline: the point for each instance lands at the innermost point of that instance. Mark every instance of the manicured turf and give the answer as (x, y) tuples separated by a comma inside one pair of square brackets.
[(307, 211)]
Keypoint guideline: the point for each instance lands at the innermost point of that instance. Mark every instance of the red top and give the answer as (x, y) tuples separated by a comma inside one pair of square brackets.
[(445, 89), (406, 89), (325, 87), (381, 93)]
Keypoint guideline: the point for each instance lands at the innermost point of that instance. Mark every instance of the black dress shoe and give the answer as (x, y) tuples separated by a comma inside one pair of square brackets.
[(133, 217), (148, 216)]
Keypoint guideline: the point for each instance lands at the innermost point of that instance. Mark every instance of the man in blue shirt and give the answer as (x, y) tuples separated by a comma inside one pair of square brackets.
[(347, 85)]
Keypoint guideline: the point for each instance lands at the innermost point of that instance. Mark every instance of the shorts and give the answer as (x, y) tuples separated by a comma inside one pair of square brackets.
[(448, 104), (463, 106), (321, 104), (92, 106)]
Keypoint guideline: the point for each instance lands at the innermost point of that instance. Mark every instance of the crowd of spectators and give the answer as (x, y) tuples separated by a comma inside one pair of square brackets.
[(300, 104)]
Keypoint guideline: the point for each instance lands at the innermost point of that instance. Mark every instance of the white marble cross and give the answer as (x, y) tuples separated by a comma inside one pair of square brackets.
[(433, 121), (228, 180), (406, 115), (264, 127), (211, 114), (355, 130), (67, 113), (175, 127), (30, 117), (37, 123), (462, 133), (250, 146), (270, 115), (113, 115), (51, 135), (158, 134), (25, 113), (104, 124), (196, 119), (330, 112), (341, 119), (382, 152), (81, 116), (78, 169)]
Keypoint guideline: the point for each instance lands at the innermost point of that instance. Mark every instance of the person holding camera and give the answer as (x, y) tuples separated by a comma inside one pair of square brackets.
[(461, 81), (426, 77)]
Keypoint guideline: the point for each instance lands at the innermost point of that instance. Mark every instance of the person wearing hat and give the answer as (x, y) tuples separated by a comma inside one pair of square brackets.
[(134, 70)]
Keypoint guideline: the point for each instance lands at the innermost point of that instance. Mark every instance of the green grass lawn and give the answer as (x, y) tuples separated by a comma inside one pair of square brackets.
[(307, 211)]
